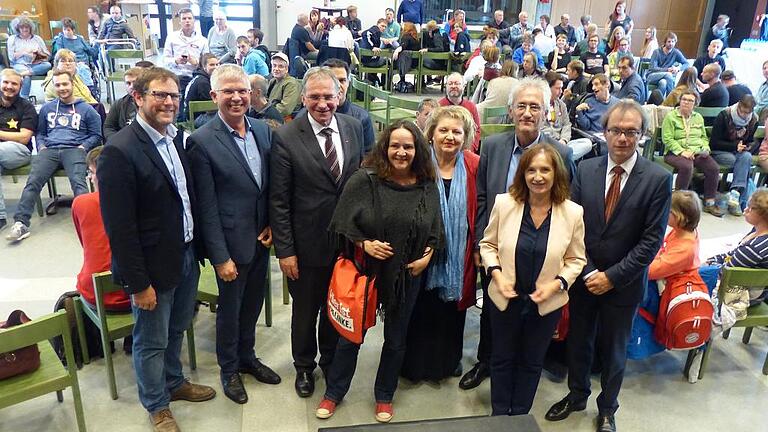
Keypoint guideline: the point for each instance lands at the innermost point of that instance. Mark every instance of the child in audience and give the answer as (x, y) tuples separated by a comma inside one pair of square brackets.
[(752, 251), (680, 250)]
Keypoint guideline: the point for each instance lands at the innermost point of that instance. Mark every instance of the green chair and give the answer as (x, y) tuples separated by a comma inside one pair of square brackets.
[(55, 25), (735, 277), (492, 129), (357, 86), (113, 326), (397, 109), (52, 376), (208, 291), (24, 171), (415, 55), (709, 112), (385, 69), (378, 110), (113, 73), (197, 107), (424, 71), (493, 112)]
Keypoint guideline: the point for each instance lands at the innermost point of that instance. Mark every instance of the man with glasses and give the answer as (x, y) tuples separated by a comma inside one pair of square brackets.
[(147, 199), (499, 157), (626, 201), (67, 129), (632, 86), (230, 163), (312, 158), (454, 95)]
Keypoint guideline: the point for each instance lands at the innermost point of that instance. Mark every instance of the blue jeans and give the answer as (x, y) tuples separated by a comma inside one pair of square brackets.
[(656, 78), (741, 163), (43, 166), (158, 334), (240, 303), (12, 155), (342, 369), (26, 83)]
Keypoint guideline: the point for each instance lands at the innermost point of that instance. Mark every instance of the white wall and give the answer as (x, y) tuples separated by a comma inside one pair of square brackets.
[(279, 16)]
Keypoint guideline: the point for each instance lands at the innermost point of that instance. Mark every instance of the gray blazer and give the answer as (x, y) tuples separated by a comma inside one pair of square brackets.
[(495, 154), (303, 194)]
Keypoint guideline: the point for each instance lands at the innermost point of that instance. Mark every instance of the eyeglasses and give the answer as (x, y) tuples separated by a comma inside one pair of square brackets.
[(318, 98), (231, 92), (687, 100), (161, 96), (534, 108), (629, 133), (66, 61)]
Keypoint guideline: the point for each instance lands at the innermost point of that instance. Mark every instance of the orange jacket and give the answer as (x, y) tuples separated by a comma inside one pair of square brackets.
[(676, 255)]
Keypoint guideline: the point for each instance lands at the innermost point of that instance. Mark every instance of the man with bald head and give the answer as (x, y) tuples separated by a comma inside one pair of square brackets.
[(517, 31), (567, 29), (261, 107), (716, 94), (300, 34)]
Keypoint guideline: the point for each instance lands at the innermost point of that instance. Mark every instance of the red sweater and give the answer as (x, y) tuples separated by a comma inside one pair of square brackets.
[(675, 256), (97, 256), (471, 162), (472, 108)]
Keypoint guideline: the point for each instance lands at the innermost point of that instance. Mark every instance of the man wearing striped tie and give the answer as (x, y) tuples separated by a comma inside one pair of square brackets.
[(312, 158)]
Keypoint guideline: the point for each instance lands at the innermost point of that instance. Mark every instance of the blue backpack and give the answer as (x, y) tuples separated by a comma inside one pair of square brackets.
[(642, 343)]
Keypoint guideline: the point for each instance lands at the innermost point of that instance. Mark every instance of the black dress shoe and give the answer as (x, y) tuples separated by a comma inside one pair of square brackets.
[(606, 423), (563, 409), (305, 384), (234, 389), (474, 377), (261, 372)]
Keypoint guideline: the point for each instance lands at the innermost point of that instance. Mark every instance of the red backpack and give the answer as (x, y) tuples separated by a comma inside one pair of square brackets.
[(685, 312)]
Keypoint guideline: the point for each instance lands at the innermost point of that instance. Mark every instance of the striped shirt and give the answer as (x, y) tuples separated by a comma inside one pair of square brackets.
[(752, 253)]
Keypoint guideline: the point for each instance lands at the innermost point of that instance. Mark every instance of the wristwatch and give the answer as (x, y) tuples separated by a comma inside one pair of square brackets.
[(563, 284)]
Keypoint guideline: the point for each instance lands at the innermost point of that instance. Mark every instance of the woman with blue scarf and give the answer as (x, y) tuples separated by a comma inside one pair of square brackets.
[(436, 332)]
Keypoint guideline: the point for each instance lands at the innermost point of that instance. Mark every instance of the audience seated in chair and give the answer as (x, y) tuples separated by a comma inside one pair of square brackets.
[(222, 40), (736, 90), (589, 113), (28, 54), (711, 56), (252, 60), (716, 94), (632, 85), (666, 62), (497, 91), (123, 111), (404, 62), (284, 91), (67, 129), (65, 60), (85, 54), (199, 89), (261, 108), (526, 47), (454, 95), (687, 82), (680, 250), (558, 124)]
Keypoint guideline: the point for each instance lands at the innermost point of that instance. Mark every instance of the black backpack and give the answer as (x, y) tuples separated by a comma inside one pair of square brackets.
[(92, 336)]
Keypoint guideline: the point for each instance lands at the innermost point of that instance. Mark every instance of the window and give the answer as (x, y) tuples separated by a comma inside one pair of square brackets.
[(479, 12)]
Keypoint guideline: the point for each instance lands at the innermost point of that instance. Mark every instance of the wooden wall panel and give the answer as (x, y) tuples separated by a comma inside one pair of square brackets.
[(684, 17), (75, 9)]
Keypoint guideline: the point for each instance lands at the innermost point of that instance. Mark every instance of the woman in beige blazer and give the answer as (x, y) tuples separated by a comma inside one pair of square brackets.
[(533, 249)]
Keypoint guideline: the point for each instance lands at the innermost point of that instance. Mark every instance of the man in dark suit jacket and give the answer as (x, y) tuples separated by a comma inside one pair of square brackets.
[(626, 201), (499, 156), (147, 204), (230, 162), (312, 158)]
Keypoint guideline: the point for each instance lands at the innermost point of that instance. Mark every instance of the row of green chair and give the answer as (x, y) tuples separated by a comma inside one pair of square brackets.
[(420, 72)]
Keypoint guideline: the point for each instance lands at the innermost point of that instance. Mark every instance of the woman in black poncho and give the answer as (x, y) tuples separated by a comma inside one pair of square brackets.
[(398, 243)]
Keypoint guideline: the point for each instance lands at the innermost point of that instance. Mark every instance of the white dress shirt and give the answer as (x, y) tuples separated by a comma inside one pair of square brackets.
[(336, 137)]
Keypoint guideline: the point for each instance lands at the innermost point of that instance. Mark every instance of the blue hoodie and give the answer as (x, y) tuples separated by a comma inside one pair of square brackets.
[(589, 120), (68, 125), (255, 63)]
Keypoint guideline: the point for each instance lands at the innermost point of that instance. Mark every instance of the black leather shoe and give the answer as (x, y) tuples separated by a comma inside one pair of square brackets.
[(563, 409), (474, 377), (606, 423), (305, 384), (234, 389), (261, 372)]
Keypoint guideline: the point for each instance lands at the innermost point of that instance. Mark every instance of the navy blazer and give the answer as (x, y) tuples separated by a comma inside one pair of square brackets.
[(304, 194), (623, 247), (234, 207), (142, 211), (495, 154)]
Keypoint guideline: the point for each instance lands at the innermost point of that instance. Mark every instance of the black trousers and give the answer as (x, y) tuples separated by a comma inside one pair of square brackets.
[(310, 294), (484, 345), (615, 322), (240, 303), (392, 353), (520, 340)]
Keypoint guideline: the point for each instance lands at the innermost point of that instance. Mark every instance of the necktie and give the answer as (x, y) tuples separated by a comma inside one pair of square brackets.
[(614, 191), (330, 154)]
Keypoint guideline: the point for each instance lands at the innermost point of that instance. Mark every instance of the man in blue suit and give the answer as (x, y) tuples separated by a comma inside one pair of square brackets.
[(626, 201), (230, 164)]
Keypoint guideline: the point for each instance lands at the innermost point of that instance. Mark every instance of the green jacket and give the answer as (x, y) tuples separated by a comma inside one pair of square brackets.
[(674, 136), (285, 94)]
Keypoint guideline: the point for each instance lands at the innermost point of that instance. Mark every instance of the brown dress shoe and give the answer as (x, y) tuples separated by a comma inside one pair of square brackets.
[(193, 392), (163, 421)]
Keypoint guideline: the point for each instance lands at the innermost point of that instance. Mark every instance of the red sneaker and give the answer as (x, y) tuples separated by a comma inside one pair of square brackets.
[(384, 412), (326, 409)]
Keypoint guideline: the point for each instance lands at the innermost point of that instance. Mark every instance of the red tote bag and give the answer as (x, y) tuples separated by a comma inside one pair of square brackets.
[(351, 300)]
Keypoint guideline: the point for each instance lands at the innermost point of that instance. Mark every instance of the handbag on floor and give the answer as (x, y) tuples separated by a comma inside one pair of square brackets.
[(22, 360)]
